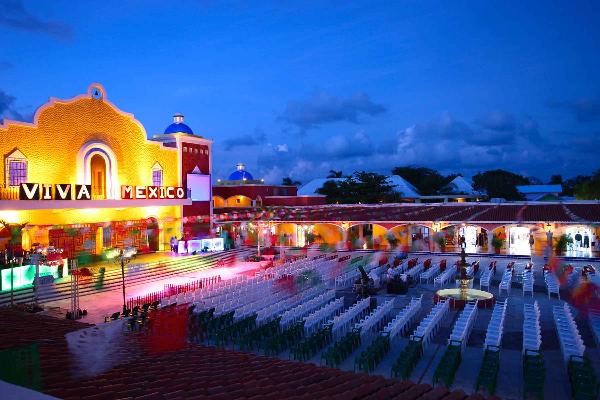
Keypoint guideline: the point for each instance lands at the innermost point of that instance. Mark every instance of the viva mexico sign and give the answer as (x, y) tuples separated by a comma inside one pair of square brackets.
[(66, 191)]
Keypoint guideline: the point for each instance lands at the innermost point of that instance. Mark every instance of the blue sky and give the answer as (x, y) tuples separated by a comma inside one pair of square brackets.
[(299, 88)]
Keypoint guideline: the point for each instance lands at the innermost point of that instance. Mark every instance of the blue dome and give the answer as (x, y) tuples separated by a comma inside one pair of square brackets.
[(240, 176), (177, 127)]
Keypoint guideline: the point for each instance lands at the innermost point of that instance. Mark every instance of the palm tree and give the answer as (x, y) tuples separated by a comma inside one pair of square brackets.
[(334, 174)]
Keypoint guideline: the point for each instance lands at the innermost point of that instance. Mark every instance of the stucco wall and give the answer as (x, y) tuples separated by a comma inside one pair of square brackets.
[(62, 128)]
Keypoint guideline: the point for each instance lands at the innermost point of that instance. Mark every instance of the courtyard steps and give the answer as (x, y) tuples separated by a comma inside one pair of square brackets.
[(148, 272)]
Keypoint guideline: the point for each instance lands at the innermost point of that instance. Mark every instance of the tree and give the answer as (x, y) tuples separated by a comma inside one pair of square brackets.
[(334, 174), (361, 187), (500, 183), (590, 189), (426, 180), (570, 184), (556, 180), (289, 182)]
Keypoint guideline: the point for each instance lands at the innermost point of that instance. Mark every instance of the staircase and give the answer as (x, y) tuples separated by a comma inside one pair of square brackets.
[(112, 279)]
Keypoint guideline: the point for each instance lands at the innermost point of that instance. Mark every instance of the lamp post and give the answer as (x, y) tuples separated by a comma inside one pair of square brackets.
[(123, 260)]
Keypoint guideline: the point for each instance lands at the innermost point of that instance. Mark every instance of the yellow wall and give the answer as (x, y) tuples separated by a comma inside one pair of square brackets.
[(218, 202), (330, 234), (244, 201), (64, 127)]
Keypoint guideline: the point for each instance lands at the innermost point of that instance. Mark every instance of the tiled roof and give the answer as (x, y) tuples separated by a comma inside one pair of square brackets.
[(462, 212), (199, 372)]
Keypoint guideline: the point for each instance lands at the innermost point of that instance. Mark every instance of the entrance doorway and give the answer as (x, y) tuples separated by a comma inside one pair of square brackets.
[(583, 241), (98, 174), (153, 234), (518, 240), (470, 234)]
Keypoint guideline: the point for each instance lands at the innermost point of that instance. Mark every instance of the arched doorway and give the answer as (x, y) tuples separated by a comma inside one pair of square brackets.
[(98, 175), (153, 232)]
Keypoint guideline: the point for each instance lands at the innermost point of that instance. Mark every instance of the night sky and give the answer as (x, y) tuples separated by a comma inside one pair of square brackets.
[(299, 88)]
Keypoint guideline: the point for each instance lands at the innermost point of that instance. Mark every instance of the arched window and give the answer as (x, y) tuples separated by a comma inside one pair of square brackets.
[(16, 168), (157, 175)]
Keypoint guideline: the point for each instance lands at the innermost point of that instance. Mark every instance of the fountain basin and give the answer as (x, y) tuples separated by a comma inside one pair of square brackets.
[(485, 299)]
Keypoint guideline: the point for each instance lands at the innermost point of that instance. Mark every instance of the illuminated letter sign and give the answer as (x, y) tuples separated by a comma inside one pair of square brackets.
[(152, 192), (46, 192), (140, 192), (180, 193), (170, 194), (29, 191), (83, 192), (62, 191), (162, 192), (127, 192)]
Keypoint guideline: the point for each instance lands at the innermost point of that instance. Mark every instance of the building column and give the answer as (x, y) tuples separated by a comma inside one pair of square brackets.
[(548, 243), (490, 236), (431, 239)]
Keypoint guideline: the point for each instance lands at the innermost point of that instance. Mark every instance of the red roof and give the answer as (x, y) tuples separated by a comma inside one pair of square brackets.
[(405, 213), (198, 372)]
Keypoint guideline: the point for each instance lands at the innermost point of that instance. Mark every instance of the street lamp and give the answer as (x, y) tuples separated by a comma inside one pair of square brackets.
[(123, 259)]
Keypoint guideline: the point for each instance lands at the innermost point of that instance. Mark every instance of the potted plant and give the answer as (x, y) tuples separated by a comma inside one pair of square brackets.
[(497, 243), (392, 240), (440, 239), (562, 243)]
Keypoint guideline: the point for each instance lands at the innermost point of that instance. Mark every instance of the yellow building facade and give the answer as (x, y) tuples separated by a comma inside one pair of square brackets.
[(87, 140)]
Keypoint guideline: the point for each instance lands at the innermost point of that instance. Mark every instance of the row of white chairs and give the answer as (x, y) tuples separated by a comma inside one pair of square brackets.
[(552, 284), (274, 310), (301, 310), (571, 342), (347, 279), (430, 324), (485, 279), (317, 318), (532, 332), (404, 319), (443, 278), (430, 273), (464, 324), (594, 317), (528, 281), (415, 271), (374, 321), (342, 323), (506, 282), (495, 328)]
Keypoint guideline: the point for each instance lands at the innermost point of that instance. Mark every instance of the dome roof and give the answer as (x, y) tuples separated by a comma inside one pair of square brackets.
[(178, 126), (240, 174)]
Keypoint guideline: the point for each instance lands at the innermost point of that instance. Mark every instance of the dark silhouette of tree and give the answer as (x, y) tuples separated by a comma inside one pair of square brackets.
[(289, 182), (335, 174), (500, 183), (570, 185), (590, 189), (361, 187), (427, 181), (556, 180)]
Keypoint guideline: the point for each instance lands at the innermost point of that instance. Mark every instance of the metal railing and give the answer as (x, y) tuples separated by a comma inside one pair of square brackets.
[(9, 192)]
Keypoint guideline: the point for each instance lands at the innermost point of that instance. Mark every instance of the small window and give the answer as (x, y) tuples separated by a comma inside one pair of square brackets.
[(205, 152), (237, 201), (157, 177), (17, 173), (184, 149)]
